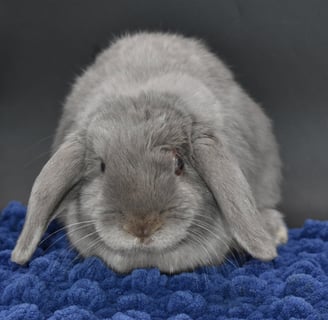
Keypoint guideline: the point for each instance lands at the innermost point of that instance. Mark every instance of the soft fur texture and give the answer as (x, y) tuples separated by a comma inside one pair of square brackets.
[(58, 285), (148, 99)]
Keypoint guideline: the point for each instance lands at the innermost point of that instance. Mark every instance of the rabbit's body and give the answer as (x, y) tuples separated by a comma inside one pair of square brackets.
[(132, 90)]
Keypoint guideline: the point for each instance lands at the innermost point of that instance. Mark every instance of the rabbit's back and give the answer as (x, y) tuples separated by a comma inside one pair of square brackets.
[(142, 56), (133, 60)]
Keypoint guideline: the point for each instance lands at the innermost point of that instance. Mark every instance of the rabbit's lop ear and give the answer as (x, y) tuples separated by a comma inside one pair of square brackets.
[(57, 177), (233, 194)]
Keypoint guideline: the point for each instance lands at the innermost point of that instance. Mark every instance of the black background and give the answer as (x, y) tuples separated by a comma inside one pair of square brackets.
[(277, 49)]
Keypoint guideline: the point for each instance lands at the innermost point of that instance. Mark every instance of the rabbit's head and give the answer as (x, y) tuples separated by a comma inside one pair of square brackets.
[(146, 177)]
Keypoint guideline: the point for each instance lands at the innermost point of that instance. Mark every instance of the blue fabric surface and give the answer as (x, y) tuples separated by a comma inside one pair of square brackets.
[(58, 285)]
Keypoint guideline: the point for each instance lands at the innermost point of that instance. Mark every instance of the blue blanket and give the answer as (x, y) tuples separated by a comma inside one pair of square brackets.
[(57, 284)]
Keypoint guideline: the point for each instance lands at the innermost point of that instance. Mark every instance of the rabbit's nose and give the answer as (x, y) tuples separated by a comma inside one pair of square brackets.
[(142, 229)]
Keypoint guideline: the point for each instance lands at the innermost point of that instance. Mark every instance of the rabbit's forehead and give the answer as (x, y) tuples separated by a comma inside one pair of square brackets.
[(149, 120), (112, 136)]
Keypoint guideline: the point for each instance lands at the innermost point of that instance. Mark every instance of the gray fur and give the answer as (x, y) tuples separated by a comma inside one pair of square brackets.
[(146, 96)]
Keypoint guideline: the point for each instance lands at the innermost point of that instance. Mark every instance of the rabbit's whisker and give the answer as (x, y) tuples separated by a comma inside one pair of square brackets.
[(66, 234), (42, 154), (65, 228)]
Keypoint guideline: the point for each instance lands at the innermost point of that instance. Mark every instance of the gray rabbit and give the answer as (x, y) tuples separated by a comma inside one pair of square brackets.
[(160, 160)]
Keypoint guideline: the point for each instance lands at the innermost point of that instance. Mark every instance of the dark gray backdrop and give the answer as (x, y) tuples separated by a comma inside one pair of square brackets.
[(277, 49)]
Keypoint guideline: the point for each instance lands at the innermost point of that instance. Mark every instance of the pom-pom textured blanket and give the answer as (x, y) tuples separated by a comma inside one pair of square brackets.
[(57, 284)]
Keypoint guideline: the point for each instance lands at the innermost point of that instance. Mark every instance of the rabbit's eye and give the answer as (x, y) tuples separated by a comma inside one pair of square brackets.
[(179, 164), (102, 166)]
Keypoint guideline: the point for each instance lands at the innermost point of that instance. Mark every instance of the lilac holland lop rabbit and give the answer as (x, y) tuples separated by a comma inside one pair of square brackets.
[(160, 160)]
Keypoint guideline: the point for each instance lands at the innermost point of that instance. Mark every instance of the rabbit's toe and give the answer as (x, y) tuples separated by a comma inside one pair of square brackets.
[(275, 225), (282, 235)]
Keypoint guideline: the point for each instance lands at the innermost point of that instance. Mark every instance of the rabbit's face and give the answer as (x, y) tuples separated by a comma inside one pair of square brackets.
[(140, 201), (140, 190)]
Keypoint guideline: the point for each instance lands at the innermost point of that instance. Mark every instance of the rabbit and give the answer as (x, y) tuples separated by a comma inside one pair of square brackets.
[(161, 160)]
